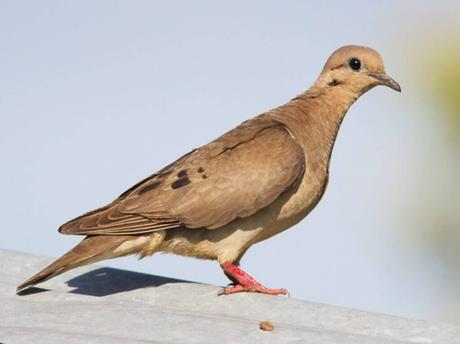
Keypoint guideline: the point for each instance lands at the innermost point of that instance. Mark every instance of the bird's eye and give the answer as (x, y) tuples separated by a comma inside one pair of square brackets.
[(354, 63)]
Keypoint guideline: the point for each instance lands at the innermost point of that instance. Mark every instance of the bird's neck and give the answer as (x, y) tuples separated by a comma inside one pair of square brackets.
[(314, 118)]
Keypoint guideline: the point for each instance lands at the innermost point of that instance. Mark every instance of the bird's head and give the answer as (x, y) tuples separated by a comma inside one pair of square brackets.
[(357, 68)]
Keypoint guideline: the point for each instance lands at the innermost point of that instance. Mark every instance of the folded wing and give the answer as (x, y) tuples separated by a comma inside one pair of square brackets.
[(234, 176)]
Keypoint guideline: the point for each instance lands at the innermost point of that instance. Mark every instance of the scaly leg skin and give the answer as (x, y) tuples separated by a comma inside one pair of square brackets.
[(244, 282)]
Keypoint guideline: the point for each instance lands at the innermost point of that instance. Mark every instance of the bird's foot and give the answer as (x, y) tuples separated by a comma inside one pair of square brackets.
[(243, 282), (256, 288)]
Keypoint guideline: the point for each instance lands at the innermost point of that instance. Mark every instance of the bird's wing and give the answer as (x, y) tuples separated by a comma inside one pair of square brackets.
[(232, 177)]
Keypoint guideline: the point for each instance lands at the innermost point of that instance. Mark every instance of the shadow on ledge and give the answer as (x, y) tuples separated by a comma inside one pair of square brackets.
[(107, 281), (30, 291)]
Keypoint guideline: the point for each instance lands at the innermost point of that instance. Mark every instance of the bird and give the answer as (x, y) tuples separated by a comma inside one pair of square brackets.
[(246, 186)]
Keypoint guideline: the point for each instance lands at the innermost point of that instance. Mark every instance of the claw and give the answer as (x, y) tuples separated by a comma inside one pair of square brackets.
[(245, 283)]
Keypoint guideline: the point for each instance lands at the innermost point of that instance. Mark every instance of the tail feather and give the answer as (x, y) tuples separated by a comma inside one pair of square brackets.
[(89, 250)]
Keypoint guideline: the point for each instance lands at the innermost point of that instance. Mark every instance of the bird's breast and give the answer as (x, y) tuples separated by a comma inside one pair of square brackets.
[(292, 206), (305, 198)]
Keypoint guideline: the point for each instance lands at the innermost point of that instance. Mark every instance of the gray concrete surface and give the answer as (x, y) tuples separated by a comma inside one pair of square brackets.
[(103, 305)]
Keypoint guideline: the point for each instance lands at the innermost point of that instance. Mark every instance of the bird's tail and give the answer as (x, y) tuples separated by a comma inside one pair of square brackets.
[(89, 250)]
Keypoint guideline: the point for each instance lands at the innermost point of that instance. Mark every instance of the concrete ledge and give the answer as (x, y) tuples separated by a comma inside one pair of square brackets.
[(104, 305)]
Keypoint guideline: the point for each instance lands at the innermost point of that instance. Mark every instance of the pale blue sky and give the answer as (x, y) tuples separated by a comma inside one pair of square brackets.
[(96, 95)]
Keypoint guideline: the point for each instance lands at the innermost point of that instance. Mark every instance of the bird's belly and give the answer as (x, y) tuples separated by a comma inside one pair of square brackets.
[(226, 244)]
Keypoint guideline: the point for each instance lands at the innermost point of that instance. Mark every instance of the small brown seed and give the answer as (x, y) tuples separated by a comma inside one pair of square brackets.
[(266, 325)]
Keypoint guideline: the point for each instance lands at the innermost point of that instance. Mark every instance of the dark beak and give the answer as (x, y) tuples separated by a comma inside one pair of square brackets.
[(384, 79)]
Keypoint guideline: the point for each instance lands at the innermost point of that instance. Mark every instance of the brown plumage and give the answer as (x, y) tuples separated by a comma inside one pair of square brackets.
[(244, 187)]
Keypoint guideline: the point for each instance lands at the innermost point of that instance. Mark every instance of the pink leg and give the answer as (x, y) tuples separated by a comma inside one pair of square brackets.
[(244, 282)]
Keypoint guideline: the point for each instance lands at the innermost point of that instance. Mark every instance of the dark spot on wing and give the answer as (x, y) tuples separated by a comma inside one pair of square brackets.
[(200, 170), (148, 188), (180, 183), (204, 176), (334, 82), (182, 174)]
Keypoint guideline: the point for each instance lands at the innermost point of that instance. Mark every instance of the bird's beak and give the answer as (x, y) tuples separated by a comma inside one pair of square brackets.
[(384, 79)]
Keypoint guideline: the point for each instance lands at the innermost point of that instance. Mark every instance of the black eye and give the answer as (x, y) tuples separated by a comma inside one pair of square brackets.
[(354, 63)]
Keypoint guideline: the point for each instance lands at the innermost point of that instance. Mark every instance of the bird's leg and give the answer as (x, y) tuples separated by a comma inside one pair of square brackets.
[(244, 282)]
